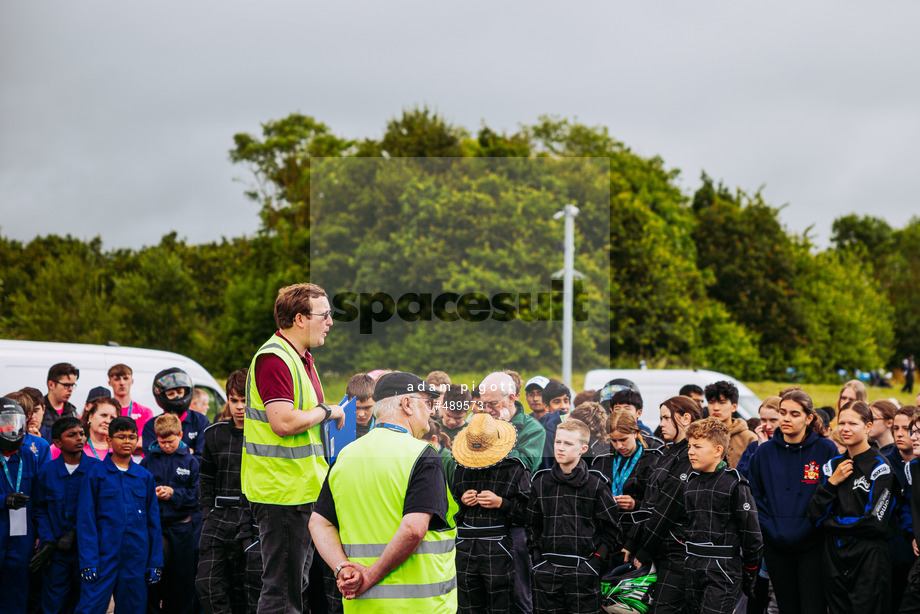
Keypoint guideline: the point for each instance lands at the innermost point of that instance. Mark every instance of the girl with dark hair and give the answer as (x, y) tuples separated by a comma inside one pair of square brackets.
[(853, 507), (660, 538), (784, 474)]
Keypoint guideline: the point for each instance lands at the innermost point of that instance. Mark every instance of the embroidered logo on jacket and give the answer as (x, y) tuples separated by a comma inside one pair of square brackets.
[(862, 483), (182, 471), (812, 473), (880, 471)]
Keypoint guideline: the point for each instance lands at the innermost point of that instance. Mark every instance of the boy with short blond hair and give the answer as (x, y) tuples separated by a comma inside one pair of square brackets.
[(723, 540), (441, 381), (175, 472), (573, 526)]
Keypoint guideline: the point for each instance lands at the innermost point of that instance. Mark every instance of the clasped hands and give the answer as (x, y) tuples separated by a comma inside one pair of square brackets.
[(484, 498), (354, 579)]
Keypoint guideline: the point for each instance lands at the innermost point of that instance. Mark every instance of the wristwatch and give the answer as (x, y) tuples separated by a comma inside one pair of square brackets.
[(327, 409)]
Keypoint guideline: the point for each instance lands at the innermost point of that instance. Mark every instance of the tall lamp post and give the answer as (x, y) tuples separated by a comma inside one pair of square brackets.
[(568, 272)]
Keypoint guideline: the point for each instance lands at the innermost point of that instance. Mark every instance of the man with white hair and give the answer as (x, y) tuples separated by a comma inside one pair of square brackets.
[(497, 391), (385, 503)]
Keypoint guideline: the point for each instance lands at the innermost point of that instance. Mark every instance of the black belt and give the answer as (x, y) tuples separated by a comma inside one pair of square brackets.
[(481, 532), (711, 550), (563, 560), (222, 502)]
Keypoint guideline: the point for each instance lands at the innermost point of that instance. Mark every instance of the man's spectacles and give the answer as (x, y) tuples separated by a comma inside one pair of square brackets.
[(494, 405), (124, 437), (322, 316), (429, 402), (66, 385)]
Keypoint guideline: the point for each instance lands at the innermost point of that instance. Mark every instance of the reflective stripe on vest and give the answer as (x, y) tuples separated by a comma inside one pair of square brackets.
[(281, 470), (274, 451), (410, 591), (376, 550), (369, 480)]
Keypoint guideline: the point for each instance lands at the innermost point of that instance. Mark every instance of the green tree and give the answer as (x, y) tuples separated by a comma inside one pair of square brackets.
[(421, 133), (750, 262)]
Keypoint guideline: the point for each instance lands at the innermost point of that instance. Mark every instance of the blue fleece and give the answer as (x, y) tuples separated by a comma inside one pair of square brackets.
[(179, 471), (783, 479)]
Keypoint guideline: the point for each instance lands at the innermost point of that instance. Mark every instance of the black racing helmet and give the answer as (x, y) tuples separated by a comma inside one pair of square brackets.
[(614, 386), (173, 379), (12, 425)]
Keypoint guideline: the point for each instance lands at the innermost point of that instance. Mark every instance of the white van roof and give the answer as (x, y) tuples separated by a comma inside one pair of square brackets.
[(658, 385), (26, 363)]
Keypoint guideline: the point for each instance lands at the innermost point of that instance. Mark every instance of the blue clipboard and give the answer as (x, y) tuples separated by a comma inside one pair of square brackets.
[(336, 439)]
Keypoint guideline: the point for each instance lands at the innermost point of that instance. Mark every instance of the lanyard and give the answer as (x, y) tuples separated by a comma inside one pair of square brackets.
[(392, 427), (7, 472), (621, 470), (90, 443)]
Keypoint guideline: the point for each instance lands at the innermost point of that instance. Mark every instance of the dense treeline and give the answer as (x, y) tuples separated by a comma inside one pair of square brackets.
[(710, 280)]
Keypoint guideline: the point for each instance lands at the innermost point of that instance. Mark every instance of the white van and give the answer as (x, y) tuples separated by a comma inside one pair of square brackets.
[(26, 363), (658, 385)]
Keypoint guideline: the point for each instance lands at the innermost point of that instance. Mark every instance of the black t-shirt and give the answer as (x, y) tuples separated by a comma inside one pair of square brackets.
[(427, 492)]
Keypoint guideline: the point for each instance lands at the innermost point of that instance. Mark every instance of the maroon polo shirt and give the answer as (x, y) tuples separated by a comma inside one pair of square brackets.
[(273, 378)]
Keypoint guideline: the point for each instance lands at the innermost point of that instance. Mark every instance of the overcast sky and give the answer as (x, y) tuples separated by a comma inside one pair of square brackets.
[(116, 116)]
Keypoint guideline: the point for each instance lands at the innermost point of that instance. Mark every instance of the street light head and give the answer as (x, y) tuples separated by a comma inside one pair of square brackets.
[(558, 215)]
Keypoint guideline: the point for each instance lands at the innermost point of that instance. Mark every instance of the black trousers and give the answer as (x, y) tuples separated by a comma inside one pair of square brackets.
[(485, 576), (230, 567), (910, 603), (523, 597), (561, 590), (287, 552), (795, 581), (175, 592), (712, 585), (668, 593), (857, 575)]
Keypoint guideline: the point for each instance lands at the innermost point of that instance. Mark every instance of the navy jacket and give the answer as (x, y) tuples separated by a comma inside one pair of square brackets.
[(193, 426), (55, 496), (784, 477), (179, 471)]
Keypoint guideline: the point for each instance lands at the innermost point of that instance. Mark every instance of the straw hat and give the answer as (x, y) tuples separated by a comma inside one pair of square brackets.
[(485, 442)]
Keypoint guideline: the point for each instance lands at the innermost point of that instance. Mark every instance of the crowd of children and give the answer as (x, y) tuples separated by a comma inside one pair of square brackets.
[(812, 505)]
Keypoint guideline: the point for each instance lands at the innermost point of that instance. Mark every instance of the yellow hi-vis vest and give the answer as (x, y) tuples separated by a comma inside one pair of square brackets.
[(281, 470), (368, 484)]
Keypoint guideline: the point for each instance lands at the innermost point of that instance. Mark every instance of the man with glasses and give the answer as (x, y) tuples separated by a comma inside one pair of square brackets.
[(62, 379), (283, 467), (497, 392)]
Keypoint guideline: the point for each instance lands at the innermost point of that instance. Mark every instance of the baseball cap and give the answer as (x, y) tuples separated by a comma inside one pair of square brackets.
[(400, 382), (97, 393), (536, 380)]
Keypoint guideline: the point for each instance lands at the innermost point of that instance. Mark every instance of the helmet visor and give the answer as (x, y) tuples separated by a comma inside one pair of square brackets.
[(12, 425), (171, 381), (609, 390)]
